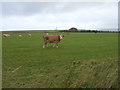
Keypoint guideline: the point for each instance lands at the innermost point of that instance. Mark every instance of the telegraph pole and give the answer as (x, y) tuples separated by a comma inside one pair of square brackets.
[(56, 28)]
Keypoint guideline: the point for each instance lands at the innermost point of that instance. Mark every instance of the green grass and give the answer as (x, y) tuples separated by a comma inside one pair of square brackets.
[(82, 60)]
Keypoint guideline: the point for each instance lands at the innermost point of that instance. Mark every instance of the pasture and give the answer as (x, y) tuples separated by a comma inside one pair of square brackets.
[(83, 60)]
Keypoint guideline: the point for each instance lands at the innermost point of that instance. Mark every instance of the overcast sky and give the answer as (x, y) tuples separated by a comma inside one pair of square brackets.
[(63, 15)]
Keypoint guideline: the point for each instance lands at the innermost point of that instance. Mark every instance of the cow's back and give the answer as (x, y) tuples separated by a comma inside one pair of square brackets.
[(51, 38)]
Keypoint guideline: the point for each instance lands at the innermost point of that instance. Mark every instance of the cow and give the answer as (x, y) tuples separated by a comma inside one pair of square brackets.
[(52, 39), (6, 35), (20, 35), (29, 35)]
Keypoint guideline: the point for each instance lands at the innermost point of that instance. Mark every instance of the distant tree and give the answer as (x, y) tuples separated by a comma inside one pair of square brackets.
[(95, 31)]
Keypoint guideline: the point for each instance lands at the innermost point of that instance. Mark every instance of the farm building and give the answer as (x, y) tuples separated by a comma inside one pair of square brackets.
[(73, 29)]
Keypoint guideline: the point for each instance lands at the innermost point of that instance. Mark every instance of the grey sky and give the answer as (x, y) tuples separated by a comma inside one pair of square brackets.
[(64, 15)]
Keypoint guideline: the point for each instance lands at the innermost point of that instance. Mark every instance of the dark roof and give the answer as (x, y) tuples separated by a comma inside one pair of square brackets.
[(73, 29)]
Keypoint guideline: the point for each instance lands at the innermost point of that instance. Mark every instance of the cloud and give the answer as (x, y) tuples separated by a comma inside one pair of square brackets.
[(49, 15)]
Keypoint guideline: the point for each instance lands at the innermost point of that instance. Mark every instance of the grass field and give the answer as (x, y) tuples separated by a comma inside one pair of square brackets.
[(83, 60)]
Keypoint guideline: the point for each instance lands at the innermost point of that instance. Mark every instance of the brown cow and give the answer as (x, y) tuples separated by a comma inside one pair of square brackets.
[(6, 35), (20, 35), (29, 35), (52, 39)]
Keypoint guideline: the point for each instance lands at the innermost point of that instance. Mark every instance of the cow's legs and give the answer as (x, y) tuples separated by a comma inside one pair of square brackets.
[(45, 45), (56, 45)]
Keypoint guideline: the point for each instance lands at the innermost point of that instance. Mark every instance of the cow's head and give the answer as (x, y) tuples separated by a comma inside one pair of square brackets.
[(61, 36)]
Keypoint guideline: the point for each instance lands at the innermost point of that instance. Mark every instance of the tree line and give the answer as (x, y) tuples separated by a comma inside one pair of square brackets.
[(90, 31)]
